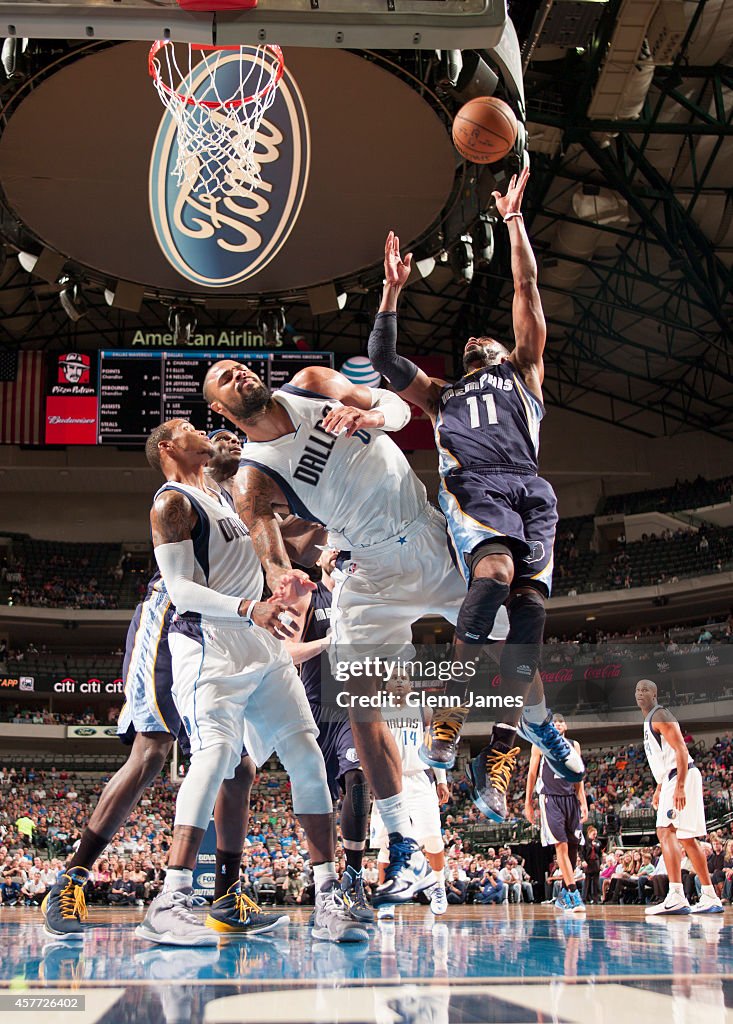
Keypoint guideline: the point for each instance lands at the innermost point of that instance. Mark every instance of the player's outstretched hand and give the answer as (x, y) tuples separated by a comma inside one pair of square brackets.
[(396, 270), (512, 201), (529, 812), (276, 618), (291, 586), (345, 419)]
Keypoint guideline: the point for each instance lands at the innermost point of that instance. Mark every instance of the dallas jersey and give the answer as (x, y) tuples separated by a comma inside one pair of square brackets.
[(361, 488), (407, 725), (488, 420), (224, 558), (660, 755)]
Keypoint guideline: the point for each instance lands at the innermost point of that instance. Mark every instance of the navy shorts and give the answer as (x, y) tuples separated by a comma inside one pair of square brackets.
[(149, 705), (337, 746), (560, 820), (517, 509)]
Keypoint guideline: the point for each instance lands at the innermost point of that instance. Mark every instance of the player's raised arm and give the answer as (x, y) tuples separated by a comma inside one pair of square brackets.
[(258, 499), (405, 377), (528, 319), (361, 407)]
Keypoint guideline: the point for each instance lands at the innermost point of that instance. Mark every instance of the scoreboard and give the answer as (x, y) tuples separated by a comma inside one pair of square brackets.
[(118, 396)]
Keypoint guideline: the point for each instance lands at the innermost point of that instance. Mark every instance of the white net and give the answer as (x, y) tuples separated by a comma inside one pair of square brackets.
[(218, 100)]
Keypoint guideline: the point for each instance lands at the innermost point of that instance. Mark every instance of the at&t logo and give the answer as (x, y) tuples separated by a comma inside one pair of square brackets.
[(218, 240)]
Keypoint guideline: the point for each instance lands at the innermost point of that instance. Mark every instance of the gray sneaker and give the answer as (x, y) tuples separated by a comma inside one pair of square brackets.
[(333, 920), (169, 921)]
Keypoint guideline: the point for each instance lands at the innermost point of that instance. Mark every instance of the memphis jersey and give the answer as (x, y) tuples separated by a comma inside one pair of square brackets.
[(224, 557), (406, 725), (660, 755), (552, 784), (361, 488), (487, 420), (317, 624)]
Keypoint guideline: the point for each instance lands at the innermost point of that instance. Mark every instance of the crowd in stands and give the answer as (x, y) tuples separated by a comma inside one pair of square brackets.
[(43, 812), (683, 494)]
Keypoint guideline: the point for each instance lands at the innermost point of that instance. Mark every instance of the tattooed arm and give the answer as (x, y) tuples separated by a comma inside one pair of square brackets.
[(257, 499)]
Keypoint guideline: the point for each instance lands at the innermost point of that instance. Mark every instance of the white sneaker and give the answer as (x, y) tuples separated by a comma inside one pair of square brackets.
[(674, 904), (407, 873), (438, 898), (333, 921), (169, 921), (708, 905)]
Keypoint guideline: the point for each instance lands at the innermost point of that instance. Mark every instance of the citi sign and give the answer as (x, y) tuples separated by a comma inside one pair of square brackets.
[(216, 239)]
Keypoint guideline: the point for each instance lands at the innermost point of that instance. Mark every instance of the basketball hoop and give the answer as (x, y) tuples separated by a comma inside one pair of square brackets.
[(218, 104)]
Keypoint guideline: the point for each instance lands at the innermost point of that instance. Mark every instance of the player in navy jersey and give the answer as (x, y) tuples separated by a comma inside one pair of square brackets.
[(501, 515), (343, 768), (563, 809)]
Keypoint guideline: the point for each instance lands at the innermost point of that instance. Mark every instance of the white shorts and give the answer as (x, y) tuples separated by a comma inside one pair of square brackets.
[(421, 799), (689, 822), (236, 684), (387, 587)]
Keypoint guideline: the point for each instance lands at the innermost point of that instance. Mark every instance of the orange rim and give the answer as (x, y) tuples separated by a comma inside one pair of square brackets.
[(154, 73)]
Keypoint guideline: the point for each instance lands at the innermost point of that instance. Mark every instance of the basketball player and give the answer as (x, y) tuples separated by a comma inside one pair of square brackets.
[(678, 801), (501, 515), (318, 447), (229, 667), (150, 722), (423, 795), (335, 738), (563, 809)]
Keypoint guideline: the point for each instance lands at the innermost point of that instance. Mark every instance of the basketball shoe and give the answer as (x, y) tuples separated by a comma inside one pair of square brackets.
[(438, 898), (708, 905), (64, 907), (675, 903), (561, 756), (332, 918), (408, 871), (355, 898), (489, 774), (171, 922), (440, 739), (565, 901), (577, 901), (236, 913)]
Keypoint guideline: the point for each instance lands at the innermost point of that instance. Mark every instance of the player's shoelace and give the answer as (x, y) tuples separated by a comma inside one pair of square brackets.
[(399, 857), (356, 895), (181, 907), (448, 726), (500, 766), (245, 906), (557, 745), (71, 901), (333, 901)]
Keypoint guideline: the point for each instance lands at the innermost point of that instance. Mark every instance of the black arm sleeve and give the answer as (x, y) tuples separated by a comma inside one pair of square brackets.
[(382, 349)]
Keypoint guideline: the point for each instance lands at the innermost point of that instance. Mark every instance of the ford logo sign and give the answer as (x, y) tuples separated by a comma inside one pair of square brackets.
[(219, 240)]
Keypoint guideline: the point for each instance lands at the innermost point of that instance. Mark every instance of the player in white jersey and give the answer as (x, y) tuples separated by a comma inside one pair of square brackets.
[(319, 448), (231, 678), (422, 796), (678, 801)]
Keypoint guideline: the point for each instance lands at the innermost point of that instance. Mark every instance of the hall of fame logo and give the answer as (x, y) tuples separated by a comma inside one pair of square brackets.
[(211, 237)]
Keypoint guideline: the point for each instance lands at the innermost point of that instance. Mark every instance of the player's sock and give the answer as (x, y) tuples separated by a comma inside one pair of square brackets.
[(676, 888), (393, 813), (437, 877), (324, 874), (354, 858), (90, 846), (177, 879), (536, 713), (228, 868), (503, 733), (571, 888), (709, 890)]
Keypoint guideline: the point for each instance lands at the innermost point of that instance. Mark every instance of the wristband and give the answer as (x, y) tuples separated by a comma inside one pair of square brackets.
[(248, 613), (510, 215)]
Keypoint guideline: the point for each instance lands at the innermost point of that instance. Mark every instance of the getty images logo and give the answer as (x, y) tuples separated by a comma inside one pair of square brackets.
[(216, 239)]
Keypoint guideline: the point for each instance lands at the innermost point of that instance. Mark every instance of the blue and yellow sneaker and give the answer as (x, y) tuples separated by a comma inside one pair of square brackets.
[(489, 775), (355, 898), (560, 755), (441, 736), (235, 913), (64, 907)]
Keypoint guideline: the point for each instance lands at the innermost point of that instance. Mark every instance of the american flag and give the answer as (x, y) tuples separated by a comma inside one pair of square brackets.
[(21, 397)]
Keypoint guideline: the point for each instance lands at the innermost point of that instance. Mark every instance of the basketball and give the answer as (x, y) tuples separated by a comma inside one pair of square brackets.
[(484, 130)]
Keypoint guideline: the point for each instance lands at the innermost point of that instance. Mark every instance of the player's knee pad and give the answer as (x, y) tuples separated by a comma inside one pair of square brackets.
[(520, 657), (303, 761), (358, 788), (198, 792), (476, 618), (433, 844)]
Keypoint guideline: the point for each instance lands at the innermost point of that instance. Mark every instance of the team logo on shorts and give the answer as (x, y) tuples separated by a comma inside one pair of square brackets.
[(537, 552), (351, 568), (351, 755)]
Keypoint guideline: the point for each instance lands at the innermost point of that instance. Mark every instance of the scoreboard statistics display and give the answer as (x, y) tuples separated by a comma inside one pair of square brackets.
[(118, 397)]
